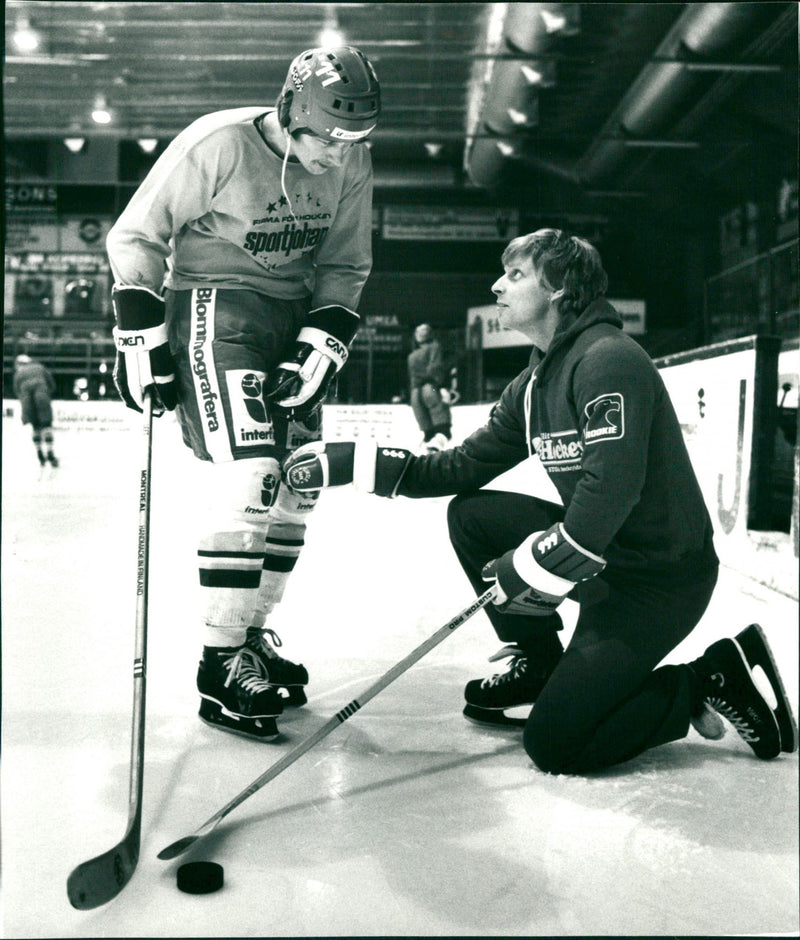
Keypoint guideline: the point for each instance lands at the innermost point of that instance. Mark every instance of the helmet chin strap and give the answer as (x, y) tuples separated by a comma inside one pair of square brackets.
[(283, 174)]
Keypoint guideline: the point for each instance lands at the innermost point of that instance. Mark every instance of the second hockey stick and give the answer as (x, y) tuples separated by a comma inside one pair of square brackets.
[(181, 845), (100, 879)]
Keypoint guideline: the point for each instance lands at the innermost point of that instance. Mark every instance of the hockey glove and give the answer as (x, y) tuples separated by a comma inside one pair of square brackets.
[(368, 467), (535, 577), (143, 357), (300, 384)]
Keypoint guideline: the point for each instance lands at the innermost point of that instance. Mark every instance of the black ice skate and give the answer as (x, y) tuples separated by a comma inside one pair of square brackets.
[(289, 678), (762, 718), (235, 693), (520, 684)]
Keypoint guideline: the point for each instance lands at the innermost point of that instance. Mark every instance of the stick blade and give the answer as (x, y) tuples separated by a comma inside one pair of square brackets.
[(177, 848), (101, 879)]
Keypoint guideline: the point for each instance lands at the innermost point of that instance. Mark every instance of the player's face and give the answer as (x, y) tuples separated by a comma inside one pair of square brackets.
[(523, 301), (318, 154)]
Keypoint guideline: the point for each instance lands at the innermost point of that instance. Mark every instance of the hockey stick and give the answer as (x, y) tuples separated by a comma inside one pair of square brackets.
[(100, 879), (179, 847)]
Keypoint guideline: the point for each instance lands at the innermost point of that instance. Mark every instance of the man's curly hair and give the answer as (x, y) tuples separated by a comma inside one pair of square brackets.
[(563, 262)]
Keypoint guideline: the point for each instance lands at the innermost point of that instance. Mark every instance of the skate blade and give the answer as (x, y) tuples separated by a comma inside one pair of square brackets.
[(756, 650), (257, 729), (492, 717)]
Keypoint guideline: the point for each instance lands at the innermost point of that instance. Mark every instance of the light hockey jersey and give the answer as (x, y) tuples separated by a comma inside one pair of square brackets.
[(212, 213)]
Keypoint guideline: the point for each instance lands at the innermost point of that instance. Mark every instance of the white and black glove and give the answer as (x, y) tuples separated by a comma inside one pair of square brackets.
[(369, 468), (536, 576), (143, 357), (300, 384)]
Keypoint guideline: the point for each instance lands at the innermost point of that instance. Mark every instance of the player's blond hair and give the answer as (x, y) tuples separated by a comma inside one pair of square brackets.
[(563, 262)]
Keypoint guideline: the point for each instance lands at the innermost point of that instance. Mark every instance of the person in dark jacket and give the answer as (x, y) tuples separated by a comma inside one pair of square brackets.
[(426, 379), (632, 542), (34, 386)]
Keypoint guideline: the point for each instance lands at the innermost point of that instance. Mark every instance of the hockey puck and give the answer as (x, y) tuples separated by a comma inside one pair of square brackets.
[(200, 877)]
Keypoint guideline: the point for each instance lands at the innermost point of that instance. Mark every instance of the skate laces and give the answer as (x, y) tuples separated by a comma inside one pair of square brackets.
[(745, 729), (517, 666), (247, 669), (257, 639)]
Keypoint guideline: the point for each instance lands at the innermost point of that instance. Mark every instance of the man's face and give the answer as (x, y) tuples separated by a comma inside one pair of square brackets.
[(523, 302), (317, 155), (422, 333)]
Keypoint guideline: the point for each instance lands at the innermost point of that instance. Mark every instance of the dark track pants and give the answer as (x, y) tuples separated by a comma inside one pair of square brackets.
[(606, 700)]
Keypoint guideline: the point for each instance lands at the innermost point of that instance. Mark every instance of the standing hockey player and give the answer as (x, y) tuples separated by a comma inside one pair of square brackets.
[(426, 378), (35, 386), (238, 266), (632, 542)]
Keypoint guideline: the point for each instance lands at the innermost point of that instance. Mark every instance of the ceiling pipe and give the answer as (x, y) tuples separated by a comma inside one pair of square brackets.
[(509, 102), (702, 31)]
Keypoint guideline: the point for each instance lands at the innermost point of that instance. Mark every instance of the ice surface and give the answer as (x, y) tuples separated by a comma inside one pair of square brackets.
[(407, 820)]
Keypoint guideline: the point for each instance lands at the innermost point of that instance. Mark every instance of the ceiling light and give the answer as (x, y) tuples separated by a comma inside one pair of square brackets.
[(74, 144), (147, 144), (517, 117), (101, 114), (553, 22), (330, 37), (563, 18), (542, 74), (26, 39)]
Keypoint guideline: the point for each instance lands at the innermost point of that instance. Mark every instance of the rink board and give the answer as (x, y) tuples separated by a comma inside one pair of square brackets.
[(724, 396)]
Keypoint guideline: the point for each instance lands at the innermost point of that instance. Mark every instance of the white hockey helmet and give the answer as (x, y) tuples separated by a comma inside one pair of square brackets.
[(333, 92)]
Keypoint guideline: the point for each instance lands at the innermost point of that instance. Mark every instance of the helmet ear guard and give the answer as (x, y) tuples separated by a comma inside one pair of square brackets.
[(284, 108)]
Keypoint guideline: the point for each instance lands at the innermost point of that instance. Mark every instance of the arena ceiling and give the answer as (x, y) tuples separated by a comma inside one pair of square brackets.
[(616, 100)]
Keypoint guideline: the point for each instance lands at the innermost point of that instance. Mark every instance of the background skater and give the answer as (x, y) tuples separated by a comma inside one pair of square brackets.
[(34, 386), (426, 379)]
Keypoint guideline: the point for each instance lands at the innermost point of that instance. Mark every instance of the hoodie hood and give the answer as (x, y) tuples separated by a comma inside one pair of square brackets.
[(598, 311)]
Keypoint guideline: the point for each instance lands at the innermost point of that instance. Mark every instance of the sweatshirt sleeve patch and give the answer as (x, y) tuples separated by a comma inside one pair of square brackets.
[(605, 418)]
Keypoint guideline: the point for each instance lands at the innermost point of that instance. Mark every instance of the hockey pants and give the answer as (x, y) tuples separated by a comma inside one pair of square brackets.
[(225, 343)]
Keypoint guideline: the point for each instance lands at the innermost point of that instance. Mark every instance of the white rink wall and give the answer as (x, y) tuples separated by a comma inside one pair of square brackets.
[(94, 435)]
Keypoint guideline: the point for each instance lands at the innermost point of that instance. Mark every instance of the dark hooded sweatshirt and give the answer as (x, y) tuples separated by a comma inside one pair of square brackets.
[(596, 412)]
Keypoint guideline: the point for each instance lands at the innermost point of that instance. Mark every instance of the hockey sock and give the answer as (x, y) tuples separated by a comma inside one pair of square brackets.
[(284, 540), (235, 499), (225, 637), (37, 443), (230, 571)]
